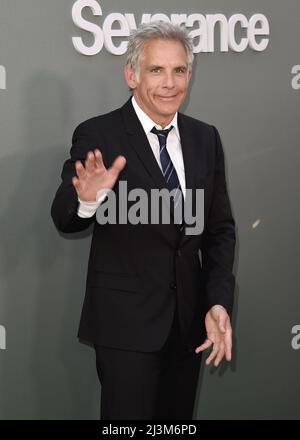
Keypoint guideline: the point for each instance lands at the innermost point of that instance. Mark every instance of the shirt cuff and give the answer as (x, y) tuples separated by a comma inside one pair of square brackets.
[(88, 209)]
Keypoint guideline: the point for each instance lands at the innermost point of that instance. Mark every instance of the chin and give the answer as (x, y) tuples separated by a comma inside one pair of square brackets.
[(168, 110), (169, 107)]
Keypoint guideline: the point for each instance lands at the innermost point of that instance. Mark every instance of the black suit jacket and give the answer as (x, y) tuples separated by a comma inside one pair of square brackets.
[(135, 272)]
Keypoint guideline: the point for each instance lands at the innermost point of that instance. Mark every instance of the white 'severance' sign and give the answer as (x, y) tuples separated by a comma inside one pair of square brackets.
[(254, 32)]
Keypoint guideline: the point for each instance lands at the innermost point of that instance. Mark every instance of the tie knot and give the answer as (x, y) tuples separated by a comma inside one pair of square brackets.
[(163, 133)]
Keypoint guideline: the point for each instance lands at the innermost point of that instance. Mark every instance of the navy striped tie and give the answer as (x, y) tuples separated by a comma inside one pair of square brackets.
[(169, 172)]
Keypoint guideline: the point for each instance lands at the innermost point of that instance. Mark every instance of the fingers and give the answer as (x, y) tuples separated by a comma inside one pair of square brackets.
[(93, 160), (214, 352), (98, 159), (222, 346), (217, 351), (228, 343), (80, 170), (76, 183), (203, 346), (117, 166), (89, 166), (90, 162), (220, 354)]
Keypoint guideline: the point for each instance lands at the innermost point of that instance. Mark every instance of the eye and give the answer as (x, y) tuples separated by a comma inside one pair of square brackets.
[(180, 70), (155, 69)]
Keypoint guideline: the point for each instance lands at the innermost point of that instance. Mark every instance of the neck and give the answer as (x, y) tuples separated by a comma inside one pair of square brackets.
[(164, 123)]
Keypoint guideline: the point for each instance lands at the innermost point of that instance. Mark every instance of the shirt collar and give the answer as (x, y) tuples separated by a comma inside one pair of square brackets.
[(147, 122)]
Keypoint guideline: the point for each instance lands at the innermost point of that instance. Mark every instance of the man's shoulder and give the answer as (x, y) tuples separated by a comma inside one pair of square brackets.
[(195, 124), (102, 121)]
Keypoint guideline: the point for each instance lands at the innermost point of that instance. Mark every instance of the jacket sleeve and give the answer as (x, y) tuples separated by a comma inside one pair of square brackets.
[(65, 204), (218, 241)]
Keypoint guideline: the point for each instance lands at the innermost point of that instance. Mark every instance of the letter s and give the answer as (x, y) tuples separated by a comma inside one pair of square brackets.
[(87, 26)]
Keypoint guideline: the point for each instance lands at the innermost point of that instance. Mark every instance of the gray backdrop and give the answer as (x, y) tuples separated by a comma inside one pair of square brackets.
[(45, 373)]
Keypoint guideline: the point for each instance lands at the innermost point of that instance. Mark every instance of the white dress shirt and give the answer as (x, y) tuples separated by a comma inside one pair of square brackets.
[(88, 209)]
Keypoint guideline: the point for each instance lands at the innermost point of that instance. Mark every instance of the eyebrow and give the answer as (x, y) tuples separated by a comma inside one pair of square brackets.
[(156, 66)]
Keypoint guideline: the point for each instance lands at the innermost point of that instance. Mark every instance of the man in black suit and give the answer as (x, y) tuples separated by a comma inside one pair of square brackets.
[(156, 295)]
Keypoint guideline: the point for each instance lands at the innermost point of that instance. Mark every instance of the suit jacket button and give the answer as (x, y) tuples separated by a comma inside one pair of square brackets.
[(178, 253), (173, 285)]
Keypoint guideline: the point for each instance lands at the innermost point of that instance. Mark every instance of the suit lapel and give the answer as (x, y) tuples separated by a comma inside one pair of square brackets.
[(188, 153), (194, 159), (140, 144)]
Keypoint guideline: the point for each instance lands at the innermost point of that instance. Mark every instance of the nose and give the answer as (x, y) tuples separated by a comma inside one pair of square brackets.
[(169, 80)]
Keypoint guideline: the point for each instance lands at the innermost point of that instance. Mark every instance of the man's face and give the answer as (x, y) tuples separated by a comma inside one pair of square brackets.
[(163, 79)]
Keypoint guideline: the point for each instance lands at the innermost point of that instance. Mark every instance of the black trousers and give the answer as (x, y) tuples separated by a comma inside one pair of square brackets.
[(149, 385)]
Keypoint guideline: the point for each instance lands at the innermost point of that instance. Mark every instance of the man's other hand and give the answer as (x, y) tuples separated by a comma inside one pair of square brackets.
[(219, 335)]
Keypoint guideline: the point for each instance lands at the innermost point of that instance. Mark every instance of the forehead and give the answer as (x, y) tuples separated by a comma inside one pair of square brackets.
[(162, 52)]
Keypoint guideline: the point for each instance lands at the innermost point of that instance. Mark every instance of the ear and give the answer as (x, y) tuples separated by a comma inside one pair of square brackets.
[(130, 77)]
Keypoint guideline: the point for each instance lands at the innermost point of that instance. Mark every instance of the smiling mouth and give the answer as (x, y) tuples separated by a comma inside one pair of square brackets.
[(167, 98)]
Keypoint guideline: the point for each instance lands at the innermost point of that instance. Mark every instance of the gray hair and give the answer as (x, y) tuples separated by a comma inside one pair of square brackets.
[(156, 30)]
